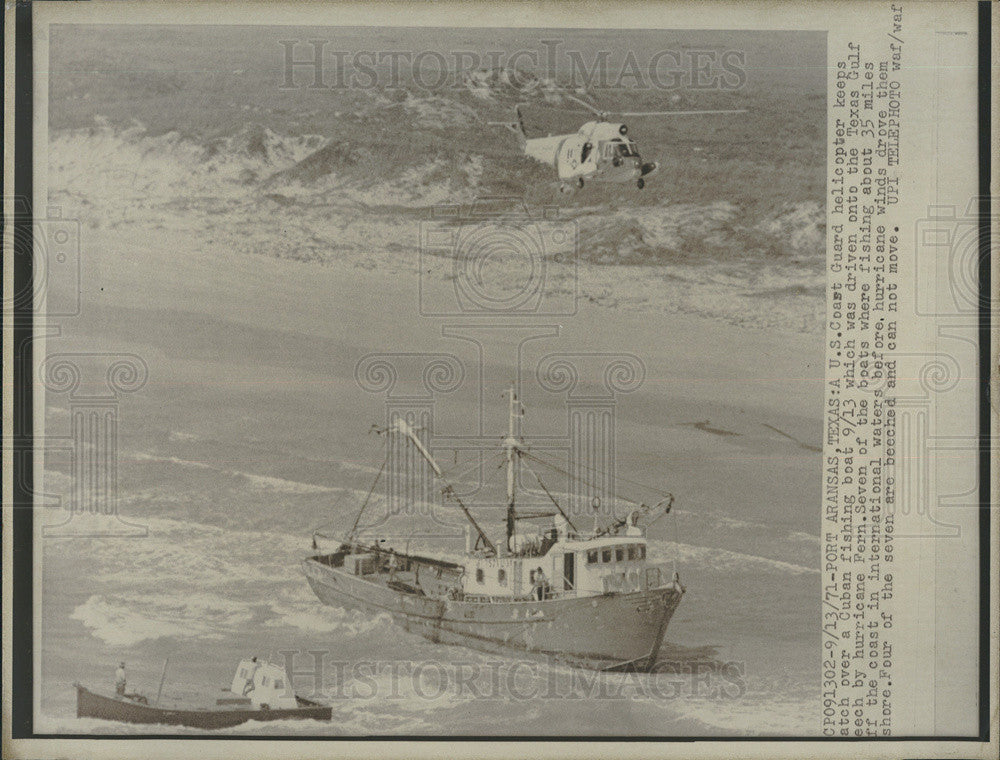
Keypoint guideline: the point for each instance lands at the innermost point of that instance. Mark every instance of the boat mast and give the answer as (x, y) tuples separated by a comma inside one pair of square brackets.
[(510, 445), (402, 427)]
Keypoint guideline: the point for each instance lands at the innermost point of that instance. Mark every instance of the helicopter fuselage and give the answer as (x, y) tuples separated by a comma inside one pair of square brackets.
[(599, 150)]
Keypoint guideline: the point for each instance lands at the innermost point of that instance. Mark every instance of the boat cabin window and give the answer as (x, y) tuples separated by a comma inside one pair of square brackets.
[(619, 554), (592, 556), (633, 551), (502, 577), (480, 575), (606, 555)]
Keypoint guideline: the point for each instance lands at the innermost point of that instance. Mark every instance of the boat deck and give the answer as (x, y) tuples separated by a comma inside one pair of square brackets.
[(407, 580)]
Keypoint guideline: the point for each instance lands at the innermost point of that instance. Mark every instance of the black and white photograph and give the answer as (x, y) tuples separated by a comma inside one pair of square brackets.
[(465, 380), (484, 362)]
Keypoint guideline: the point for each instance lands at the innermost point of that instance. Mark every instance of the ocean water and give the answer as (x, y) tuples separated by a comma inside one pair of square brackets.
[(204, 597), (217, 578)]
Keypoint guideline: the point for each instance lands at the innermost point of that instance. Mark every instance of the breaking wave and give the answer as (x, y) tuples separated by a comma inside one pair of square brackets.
[(122, 622), (261, 481)]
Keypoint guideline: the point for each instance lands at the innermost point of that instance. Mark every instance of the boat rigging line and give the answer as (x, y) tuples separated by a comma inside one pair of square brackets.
[(514, 452), (521, 454), (449, 491), (559, 469), (364, 505)]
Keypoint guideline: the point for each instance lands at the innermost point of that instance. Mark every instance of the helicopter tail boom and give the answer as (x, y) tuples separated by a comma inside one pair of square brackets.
[(517, 127)]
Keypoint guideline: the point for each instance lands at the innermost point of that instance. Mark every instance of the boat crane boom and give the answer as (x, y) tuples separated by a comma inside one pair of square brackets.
[(401, 426)]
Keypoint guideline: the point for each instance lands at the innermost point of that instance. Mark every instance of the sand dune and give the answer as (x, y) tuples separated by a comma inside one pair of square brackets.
[(311, 199)]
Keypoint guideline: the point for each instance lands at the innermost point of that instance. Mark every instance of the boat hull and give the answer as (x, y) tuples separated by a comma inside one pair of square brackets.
[(90, 704), (615, 631)]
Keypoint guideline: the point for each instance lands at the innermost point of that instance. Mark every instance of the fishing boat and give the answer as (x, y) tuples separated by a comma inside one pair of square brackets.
[(260, 691), (587, 600)]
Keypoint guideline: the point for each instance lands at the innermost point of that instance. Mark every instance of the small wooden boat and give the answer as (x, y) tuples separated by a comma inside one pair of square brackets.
[(260, 691)]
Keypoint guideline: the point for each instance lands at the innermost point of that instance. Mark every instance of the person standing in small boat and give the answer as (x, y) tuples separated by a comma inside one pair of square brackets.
[(120, 679), (254, 667), (541, 585)]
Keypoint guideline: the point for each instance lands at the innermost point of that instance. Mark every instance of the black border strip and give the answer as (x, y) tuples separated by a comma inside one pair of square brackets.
[(22, 671), (985, 361), (22, 651)]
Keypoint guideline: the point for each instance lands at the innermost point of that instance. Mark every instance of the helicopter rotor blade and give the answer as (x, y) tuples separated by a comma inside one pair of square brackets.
[(593, 109), (603, 115), (651, 113)]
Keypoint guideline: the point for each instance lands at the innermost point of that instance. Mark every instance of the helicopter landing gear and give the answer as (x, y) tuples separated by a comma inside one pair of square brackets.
[(640, 183)]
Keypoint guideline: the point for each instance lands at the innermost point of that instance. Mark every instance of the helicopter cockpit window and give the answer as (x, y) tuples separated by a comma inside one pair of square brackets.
[(618, 150)]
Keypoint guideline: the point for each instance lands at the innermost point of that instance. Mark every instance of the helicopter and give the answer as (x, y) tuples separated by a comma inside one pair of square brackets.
[(600, 150)]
